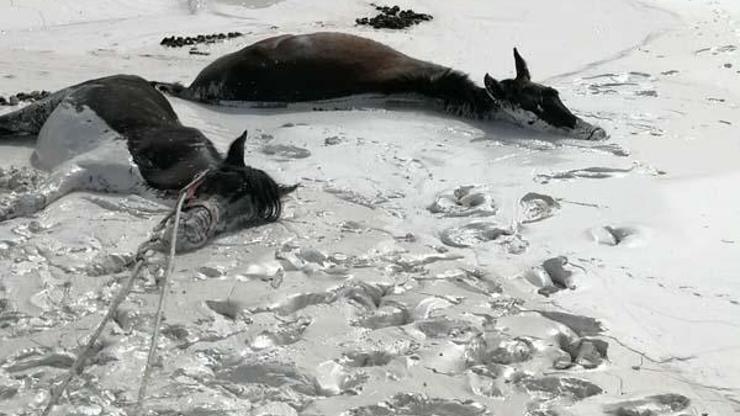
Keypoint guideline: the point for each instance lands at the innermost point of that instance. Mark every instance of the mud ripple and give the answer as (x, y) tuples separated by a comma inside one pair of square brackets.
[(410, 404), (655, 405)]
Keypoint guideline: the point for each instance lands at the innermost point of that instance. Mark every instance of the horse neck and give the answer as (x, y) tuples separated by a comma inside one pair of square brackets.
[(196, 154), (459, 94)]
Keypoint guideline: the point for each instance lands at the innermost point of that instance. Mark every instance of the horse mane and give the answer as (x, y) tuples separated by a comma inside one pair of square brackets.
[(460, 94), (266, 193)]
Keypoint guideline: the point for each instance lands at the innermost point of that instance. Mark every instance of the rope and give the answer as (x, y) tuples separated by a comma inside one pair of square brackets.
[(158, 316), (77, 366), (56, 394)]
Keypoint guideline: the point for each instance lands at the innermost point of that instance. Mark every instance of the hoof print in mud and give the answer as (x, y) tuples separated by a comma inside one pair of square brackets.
[(627, 236), (588, 353), (552, 276), (551, 387), (465, 201), (537, 207), (477, 233)]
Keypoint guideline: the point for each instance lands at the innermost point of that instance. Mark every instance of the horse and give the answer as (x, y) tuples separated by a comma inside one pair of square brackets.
[(328, 65), (118, 134)]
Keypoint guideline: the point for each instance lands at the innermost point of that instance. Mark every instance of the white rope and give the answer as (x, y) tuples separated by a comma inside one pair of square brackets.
[(56, 394), (77, 366), (158, 316)]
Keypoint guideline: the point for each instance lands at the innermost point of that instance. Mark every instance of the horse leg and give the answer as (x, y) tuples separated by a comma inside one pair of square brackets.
[(66, 179)]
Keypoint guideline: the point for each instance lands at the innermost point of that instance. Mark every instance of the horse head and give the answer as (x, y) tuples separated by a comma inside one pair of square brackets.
[(227, 197), (537, 105)]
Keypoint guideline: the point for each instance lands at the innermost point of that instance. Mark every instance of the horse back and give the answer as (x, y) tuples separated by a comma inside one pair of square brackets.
[(309, 67)]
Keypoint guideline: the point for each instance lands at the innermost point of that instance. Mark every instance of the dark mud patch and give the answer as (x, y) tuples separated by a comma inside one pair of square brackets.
[(655, 405), (393, 18), (560, 387), (373, 358), (181, 41), (581, 325), (407, 404), (285, 151), (23, 97)]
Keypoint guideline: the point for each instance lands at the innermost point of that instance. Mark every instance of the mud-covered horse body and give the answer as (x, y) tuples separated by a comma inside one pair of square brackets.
[(119, 134), (326, 65)]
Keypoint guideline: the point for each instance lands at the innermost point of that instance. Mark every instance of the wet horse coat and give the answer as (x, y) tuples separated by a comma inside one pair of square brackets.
[(326, 65), (119, 134)]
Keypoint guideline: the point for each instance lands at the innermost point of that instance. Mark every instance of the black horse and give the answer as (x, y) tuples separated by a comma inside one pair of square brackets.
[(118, 134), (319, 66)]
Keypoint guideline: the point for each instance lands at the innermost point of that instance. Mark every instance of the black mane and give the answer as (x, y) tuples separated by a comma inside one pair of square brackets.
[(265, 193), (460, 94)]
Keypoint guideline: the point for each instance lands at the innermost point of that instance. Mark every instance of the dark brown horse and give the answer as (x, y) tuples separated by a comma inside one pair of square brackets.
[(319, 66)]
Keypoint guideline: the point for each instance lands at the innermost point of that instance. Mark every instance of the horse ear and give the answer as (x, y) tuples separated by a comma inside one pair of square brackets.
[(235, 156), (522, 71), (493, 87)]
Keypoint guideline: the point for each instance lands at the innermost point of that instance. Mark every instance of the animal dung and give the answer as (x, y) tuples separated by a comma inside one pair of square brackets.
[(180, 41), (17, 98), (393, 18)]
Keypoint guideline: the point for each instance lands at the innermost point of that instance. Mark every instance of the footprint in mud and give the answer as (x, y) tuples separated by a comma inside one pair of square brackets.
[(476, 281), (537, 207), (482, 381), (476, 233), (287, 333), (356, 198), (388, 314), (285, 151), (465, 201), (361, 294), (588, 353), (227, 308), (334, 379), (510, 351), (363, 358), (656, 405), (270, 374), (551, 276), (443, 327), (627, 83), (552, 387), (416, 404), (629, 236), (586, 173), (298, 302)]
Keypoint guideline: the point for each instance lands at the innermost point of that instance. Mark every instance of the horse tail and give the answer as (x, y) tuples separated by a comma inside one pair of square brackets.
[(28, 120)]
